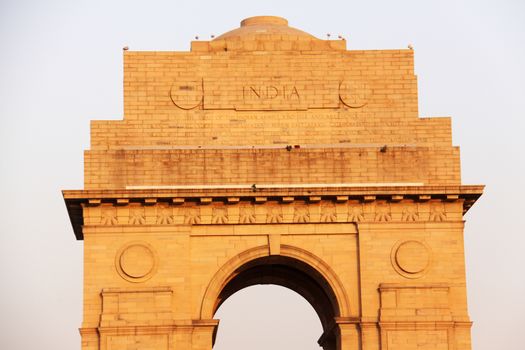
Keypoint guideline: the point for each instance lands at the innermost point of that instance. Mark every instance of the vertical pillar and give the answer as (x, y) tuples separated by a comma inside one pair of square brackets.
[(461, 335), (370, 335), (203, 333), (90, 338), (348, 333)]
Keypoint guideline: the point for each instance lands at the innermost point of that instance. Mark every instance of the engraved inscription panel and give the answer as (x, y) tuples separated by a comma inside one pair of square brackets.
[(284, 93), (271, 94), (264, 94)]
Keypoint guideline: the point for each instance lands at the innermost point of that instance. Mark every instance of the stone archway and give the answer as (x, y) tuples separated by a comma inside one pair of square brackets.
[(270, 156), (294, 268)]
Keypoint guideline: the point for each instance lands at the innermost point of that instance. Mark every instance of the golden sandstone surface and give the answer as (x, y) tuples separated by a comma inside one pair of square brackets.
[(268, 156)]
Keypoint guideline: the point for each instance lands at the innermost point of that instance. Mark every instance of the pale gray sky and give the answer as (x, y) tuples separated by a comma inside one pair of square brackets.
[(61, 66)]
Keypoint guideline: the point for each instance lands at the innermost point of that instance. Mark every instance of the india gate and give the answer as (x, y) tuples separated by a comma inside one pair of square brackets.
[(269, 156)]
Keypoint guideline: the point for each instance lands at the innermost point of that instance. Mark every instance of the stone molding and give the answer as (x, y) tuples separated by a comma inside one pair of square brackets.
[(268, 212), (268, 206)]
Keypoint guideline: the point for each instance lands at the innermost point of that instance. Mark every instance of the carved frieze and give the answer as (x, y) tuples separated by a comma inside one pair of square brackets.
[(328, 212), (410, 213), (355, 213), (274, 215), (136, 216), (382, 212), (437, 212), (219, 215), (165, 215), (287, 210), (192, 215), (109, 216), (247, 214), (301, 214)]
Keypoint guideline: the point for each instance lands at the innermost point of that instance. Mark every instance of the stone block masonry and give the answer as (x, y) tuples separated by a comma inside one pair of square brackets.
[(268, 156)]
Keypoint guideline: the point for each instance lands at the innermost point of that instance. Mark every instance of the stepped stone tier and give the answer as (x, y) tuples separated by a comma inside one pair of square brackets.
[(269, 156)]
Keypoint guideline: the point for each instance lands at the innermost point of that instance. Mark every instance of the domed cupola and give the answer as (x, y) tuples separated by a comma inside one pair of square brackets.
[(267, 33)]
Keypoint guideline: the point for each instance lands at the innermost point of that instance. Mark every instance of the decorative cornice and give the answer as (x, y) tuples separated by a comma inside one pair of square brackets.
[(302, 196)]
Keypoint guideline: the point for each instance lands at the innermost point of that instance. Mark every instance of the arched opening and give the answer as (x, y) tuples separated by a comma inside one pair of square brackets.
[(291, 273), (267, 317)]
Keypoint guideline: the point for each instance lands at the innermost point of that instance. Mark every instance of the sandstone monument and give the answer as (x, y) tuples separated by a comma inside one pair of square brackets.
[(268, 156)]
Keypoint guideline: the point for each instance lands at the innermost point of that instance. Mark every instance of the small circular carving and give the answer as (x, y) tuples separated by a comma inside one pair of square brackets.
[(186, 94), (354, 94), (136, 262), (411, 258)]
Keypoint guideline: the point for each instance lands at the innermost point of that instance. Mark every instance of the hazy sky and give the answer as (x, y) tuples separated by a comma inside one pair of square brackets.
[(61, 66)]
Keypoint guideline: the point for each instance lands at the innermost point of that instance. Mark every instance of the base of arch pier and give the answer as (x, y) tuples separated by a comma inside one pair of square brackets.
[(342, 335), (203, 334)]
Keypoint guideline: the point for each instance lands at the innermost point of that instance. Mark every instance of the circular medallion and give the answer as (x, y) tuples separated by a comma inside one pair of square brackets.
[(136, 262), (354, 94), (186, 94), (411, 258)]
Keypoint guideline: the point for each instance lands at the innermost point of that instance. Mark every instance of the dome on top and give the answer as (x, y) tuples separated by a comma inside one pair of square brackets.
[(263, 26), (266, 33)]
